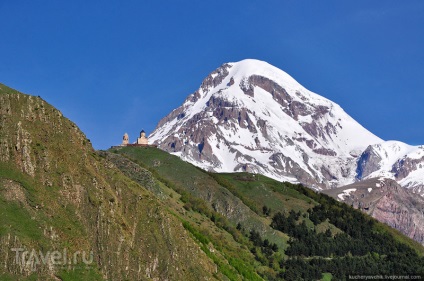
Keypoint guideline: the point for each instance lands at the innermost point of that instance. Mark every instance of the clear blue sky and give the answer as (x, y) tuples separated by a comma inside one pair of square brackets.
[(120, 66)]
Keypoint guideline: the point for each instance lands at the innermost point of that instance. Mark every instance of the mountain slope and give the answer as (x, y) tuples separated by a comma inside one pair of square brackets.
[(317, 235), (134, 213), (395, 160), (387, 201), (57, 194), (252, 116)]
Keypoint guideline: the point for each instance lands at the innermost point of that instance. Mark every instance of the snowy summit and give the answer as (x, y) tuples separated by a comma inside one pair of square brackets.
[(252, 116)]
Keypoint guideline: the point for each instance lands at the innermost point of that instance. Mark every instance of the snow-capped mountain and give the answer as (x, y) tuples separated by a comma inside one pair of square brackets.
[(394, 160), (252, 116)]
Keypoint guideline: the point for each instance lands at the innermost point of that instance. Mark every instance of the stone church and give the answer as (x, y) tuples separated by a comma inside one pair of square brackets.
[(142, 140), (125, 140)]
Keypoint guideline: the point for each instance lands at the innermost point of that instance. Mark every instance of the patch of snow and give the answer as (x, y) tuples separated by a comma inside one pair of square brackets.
[(415, 178), (345, 193)]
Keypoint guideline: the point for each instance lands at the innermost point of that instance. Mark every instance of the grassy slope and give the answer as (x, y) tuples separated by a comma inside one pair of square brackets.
[(255, 191), (209, 206), (56, 193), (187, 178), (230, 253)]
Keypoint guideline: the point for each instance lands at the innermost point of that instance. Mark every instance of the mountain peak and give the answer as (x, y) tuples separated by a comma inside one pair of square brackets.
[(252, 116), (248, 67)]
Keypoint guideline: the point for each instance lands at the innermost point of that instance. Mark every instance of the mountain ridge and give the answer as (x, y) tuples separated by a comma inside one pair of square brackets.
[(144, 214), (388, 202), (252, 116), (57, 194)]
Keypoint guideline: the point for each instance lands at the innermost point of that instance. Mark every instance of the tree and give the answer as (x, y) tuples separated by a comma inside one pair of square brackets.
[(239, 227), (266, 211)]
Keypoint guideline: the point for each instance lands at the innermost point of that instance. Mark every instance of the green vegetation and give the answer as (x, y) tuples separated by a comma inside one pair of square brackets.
[(81, 272), (344, 253), (327, 277), (57, 193), (321, 238), (147, 214), (257, 191), (11, 277)]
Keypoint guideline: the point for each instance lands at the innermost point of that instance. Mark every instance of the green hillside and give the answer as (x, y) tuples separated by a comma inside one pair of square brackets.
[(58, 198), (316, 236), (138, 213)]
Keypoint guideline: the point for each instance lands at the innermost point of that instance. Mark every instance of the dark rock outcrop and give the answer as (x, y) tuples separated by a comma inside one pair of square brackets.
[(388, 202)]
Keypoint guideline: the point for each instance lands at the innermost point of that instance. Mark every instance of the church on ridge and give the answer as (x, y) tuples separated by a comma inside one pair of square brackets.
[(141, 141)]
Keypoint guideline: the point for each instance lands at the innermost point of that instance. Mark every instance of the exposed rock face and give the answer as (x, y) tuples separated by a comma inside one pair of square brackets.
[(57, 193), (387, 201), (368, 162), (409, 171), (395, 160)]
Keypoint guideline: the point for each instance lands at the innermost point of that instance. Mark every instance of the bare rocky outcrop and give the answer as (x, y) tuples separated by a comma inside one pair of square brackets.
[(215, 77), (368, 162), (404, 166), (397, 160), (388, 202), (14, 192)]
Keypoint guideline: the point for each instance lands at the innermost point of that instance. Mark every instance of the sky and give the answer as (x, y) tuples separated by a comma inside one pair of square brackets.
[(120, 66)]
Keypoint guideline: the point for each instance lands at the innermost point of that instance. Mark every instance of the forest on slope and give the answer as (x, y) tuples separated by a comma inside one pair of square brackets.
[(294, 233), (143, 214)]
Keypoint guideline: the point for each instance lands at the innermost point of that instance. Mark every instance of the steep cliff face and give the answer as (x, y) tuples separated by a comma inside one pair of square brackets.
[(387, 201), (396, 160), (56, 193)]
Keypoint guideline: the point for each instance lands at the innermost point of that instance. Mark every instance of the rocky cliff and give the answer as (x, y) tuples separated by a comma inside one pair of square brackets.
[(387, 201), (396, 160), (58, 196)]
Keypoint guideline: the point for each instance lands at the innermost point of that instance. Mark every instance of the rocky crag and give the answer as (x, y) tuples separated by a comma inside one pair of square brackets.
[(388, 202), (57, 194)]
